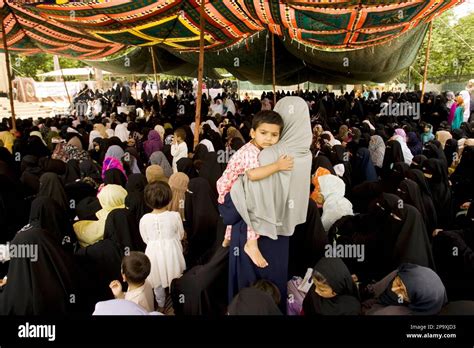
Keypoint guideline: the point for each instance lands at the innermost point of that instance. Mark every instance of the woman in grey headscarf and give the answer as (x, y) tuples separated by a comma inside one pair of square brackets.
[(377, 150), (160, 159), (269, 205)]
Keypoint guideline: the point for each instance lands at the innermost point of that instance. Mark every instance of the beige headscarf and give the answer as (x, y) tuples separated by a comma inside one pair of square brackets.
[(161, 131), (155, 173), (179, 184), (232, 132), (469, 142), (99, 127), (443, 136), (110, 197), (75, 141)]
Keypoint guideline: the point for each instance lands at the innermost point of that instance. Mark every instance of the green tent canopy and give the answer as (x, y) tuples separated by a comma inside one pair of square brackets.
[(338, 41)]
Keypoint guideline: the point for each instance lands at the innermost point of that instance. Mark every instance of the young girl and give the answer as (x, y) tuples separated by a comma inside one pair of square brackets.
[(162, 231)]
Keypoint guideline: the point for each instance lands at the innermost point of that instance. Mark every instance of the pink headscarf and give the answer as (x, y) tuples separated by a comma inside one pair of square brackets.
[(452, 111), (401, 132)]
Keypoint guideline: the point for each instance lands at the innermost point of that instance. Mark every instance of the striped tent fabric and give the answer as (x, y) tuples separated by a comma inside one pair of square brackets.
[(97, 29)]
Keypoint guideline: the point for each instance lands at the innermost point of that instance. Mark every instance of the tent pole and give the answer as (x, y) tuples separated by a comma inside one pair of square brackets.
[(273, 69), (64, 81), (409, 77), (9, 74), (425, 75), (200, 74), (154, 68)]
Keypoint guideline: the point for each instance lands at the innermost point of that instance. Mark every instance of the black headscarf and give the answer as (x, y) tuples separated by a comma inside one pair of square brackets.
[(211, 169), (102, 260), (135, 200), (7, 158), (425, 289), (13, 210), (324, 162), (122, 228), (429, 208), (51, 186), (89, 169), (199, 152), (115, 177), (440, 190), (73, 172), (43, 286), (362, 167), (186, 166), (87, 208), (433, 149), (98, 155), (463, 177), (450, 150), (31, 173), (392, 179), (36, 147), (189, 137), (201, 215), (414, 143), (252, 301), (46, 214), (307, 244), (204, 287), (393, 154), (417, 161), (50, 165), (404, 240), (346, 302), (410, 193)]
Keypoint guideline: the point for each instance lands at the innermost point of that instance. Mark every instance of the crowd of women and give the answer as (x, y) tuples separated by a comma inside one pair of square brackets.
[(112, 203)]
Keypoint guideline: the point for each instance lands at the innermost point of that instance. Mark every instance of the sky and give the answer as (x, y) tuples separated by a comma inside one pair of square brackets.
[(464, 9)]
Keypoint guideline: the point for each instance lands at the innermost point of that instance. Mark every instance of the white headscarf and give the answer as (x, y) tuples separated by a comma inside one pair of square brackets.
[(467, 104), (122, 132), (335, 204), (407, 155)]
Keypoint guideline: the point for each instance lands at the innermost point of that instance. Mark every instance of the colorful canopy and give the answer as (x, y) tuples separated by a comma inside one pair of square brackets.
[(309, 33)]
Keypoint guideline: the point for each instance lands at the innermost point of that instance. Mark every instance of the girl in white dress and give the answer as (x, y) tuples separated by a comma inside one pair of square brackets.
[(162, 231)]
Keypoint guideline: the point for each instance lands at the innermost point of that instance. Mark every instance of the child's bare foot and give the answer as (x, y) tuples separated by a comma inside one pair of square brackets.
[(252, 250), (226, 243)]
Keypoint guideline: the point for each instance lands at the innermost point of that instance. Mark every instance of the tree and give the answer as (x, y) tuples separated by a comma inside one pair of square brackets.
[(450, 58), (31, 66)]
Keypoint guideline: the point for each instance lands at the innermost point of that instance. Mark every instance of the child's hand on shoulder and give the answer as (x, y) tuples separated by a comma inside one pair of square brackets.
[(285, 162), (116, 288)]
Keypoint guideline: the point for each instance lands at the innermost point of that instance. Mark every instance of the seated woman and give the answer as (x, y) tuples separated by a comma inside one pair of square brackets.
[(454, 253), (253, 301), (333, 291), (409, 290), (89, 232)]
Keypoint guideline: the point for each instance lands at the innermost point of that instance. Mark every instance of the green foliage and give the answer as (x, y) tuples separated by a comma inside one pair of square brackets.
[(31, 66), (451, 59)]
